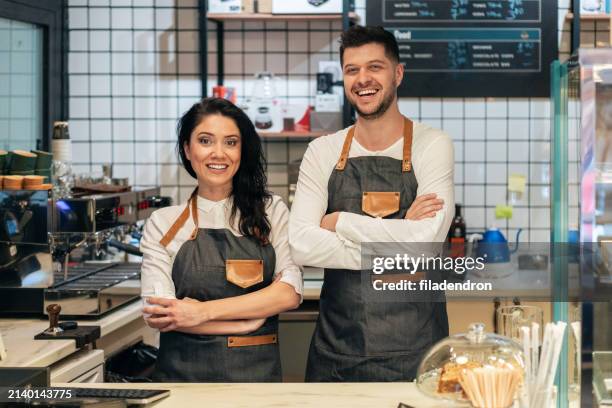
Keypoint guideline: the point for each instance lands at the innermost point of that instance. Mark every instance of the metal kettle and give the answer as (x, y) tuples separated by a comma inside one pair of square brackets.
[(493, 246)]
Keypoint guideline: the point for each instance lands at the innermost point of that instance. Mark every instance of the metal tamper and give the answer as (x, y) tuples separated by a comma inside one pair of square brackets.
[(54, 311)]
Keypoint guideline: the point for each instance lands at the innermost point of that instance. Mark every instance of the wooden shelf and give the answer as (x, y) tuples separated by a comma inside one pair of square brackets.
[(589, 17), (278, 17), (291, 135)]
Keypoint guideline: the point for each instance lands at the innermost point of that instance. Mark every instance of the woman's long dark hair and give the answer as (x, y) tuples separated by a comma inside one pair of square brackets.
[(249, 185)]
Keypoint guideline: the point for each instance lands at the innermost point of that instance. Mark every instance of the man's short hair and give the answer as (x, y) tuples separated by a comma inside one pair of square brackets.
[(356, 36)]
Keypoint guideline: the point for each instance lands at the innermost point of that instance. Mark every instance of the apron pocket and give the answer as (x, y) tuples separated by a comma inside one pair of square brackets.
[(380, 203), (244, 272)]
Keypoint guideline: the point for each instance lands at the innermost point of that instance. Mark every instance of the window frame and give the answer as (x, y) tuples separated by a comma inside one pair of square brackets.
[(51, 16)]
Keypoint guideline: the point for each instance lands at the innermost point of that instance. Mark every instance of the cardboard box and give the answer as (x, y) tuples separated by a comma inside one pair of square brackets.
[(248, 6), (306, 6), (264, 6), (225, 6)]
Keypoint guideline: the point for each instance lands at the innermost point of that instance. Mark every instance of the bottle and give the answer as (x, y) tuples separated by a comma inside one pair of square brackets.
[(61, 148), (263, 101), (456, 234)]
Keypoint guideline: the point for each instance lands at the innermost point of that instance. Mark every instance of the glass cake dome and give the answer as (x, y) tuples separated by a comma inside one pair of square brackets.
[(473, 367)]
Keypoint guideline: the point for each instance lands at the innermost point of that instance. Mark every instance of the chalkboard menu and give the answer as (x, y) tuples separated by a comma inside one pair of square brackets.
[(471, 48)]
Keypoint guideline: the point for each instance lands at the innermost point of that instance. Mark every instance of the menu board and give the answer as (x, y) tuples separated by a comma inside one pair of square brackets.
[(471, 48)]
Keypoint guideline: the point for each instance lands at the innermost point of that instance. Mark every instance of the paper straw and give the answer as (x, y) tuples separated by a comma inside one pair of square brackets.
[(535, 346), (492, 375), (526, 341), (490, 387), (466, 387), (543, 365), (559, 337), (576, 330), (516, 382), (511, 384), (524, 397), (479, 388), (535, 349)]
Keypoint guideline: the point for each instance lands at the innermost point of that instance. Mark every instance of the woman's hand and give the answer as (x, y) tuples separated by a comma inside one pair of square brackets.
[(424, 206), (171, 314), (151, 321)]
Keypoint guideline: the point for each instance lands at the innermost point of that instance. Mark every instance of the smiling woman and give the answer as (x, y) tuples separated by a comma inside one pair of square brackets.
[(215, 133), (217, 270), (214, 154)]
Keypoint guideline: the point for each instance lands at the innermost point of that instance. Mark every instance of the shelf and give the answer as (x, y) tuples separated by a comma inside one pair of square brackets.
[(291, 135), (278, 17), (589, 17)]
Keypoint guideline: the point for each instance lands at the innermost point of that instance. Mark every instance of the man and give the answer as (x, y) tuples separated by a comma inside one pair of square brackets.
[(347, 194)]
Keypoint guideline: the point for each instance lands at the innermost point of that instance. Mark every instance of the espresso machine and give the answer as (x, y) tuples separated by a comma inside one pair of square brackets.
[(70, 251)]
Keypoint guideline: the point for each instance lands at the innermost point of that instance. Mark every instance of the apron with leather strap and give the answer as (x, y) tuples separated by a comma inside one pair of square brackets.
[(215, 264), (356, 340)]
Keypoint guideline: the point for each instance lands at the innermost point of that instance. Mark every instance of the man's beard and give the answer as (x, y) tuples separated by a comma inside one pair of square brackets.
[(382, 108)]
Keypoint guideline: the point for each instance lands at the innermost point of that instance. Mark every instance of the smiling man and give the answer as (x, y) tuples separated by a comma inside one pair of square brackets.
[(385, 179)]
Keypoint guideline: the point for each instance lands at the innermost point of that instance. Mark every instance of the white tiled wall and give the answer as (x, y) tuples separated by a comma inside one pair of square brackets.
[(133, 68)]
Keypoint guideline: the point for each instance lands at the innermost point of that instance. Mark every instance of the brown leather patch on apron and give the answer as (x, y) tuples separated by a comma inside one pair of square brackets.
[(380, 203), (243, 341), (244, 272)]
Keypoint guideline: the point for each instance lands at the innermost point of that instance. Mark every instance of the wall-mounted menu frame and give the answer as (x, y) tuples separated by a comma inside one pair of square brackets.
[(472, 48)]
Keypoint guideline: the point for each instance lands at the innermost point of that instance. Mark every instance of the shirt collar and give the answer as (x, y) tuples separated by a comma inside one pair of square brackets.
[(208, 205), (384, 152)]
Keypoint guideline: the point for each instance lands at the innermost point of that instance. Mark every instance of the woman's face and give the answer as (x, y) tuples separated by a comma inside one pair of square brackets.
[(214, 151)]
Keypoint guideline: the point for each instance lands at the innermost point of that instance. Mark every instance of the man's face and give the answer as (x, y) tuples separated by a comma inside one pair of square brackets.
[(370, 79)]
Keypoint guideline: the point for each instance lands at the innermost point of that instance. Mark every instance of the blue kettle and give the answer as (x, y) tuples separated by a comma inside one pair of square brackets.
[(493, 246)]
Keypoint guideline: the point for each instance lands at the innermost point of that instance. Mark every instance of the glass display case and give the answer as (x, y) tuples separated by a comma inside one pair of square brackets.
[(581, 165), (602, 377)]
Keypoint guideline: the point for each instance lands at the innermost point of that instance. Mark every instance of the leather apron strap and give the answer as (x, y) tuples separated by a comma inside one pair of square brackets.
[(406, 155), (345, 149), (182, 219)]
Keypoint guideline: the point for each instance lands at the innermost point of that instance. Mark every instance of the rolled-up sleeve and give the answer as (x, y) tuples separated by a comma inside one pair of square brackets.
[(156, 272), (289, 272)]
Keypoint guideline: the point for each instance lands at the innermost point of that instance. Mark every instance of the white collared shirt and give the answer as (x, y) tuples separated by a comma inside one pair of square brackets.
[(157, 260)]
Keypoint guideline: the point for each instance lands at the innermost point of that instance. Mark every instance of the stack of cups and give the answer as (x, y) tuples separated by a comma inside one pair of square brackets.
[(62, 158), (21, 163), (20, 169), (43, 164), (35, 183), (3, 160), (12, 182)]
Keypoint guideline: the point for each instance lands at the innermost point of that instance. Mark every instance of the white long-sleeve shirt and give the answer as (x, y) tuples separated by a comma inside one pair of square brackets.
[(433, 164), (157, 261)]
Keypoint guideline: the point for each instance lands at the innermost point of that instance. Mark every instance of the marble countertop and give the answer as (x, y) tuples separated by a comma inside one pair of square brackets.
[(23, 351), (336, 395)]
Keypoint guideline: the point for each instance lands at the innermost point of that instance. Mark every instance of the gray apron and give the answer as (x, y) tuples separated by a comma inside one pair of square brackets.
[(215, 264), (356, 340)]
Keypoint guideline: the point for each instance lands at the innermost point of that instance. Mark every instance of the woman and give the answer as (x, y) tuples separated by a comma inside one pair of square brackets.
[(217, 270)]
